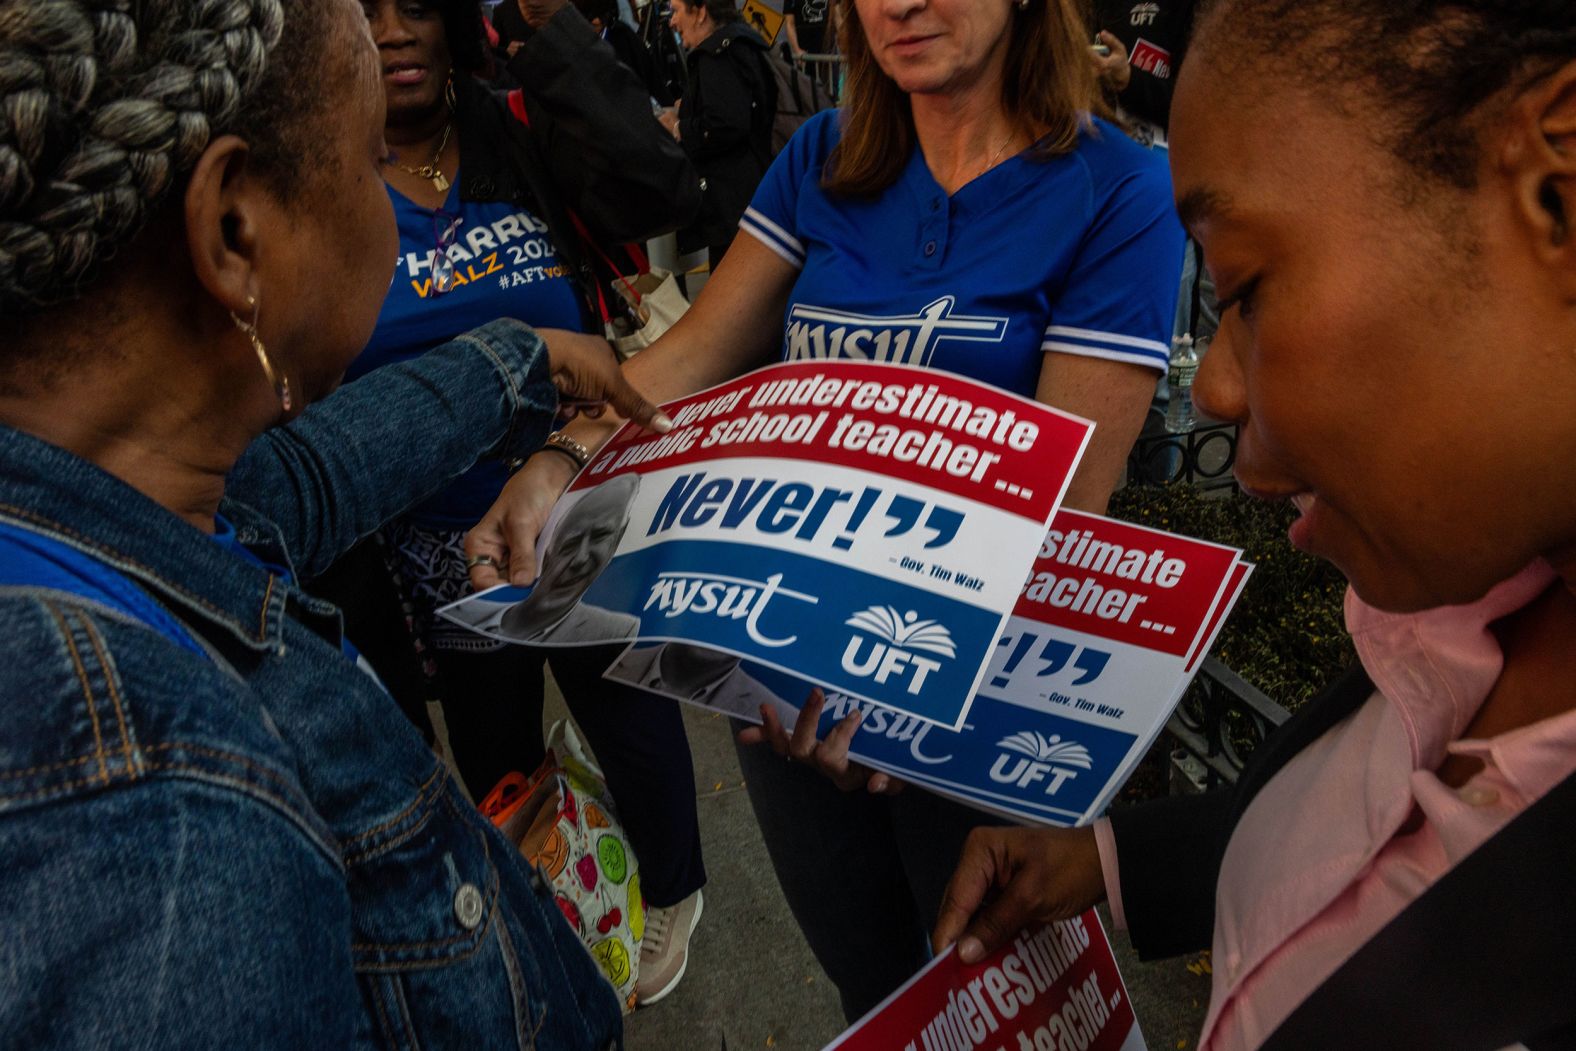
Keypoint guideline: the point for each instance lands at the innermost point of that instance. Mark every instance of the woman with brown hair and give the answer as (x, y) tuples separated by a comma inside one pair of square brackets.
[(965, 212)]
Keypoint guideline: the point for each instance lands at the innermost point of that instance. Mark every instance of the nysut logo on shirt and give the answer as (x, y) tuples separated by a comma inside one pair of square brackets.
[(1030, 756), (901, 339), (901, 634)]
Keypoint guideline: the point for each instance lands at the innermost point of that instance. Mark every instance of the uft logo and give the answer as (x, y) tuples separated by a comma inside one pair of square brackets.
[(903, 633), (1032, 757)]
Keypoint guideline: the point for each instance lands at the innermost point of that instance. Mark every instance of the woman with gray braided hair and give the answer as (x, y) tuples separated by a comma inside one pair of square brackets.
[(1385, 193), (215, 829)]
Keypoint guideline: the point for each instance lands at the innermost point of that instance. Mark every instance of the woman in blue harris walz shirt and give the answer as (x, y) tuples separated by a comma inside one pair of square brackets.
[(215, 830), (487, 206), (966, 211)]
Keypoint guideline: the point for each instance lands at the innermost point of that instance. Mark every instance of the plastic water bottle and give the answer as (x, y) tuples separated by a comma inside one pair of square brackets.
[(1184, 365)]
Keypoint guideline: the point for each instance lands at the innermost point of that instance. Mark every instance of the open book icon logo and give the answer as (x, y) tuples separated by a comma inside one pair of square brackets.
[(898, 656), (1048, 749), (1039, 759), (905, 630)]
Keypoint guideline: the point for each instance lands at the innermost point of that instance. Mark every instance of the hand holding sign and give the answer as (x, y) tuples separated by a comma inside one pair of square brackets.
[(502, 546), (828, 755), (506, 536), (1054, 988), (1037, 876), (586, 372)]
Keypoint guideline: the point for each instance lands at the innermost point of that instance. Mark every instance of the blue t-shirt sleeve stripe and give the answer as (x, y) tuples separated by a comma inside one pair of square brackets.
[(773, 236), (1148, 358), (772, 217), (1121, 295), (1113, 346)]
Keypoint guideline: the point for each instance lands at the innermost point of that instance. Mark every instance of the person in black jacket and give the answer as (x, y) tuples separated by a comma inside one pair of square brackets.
[(1147, 41), (724, 120), (1385, 194), (491, 194), (627, 45)]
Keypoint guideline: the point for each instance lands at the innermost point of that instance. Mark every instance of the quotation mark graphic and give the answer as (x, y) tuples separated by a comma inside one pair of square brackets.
[(1055, 655)]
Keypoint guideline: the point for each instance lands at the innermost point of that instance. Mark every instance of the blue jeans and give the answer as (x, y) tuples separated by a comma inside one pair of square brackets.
[(492, 707), (248, 845)]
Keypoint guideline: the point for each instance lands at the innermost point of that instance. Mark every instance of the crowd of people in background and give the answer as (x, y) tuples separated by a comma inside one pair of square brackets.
[(288, 368)]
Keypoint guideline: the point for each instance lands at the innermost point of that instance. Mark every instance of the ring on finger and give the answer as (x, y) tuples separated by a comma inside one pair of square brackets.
[(481, 560)]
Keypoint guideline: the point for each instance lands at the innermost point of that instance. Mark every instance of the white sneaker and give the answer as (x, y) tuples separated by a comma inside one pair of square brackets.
[(664, 948)]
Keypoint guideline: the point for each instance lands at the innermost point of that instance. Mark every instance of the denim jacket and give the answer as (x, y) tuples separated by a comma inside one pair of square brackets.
[(252, 848)]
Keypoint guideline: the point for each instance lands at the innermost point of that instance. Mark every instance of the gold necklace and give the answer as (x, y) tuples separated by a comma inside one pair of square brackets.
[(440, 182), (997, 156)]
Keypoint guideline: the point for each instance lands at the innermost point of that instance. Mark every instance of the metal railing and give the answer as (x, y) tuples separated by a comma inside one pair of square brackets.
[(1202, 457), (1221, 719), (826, 71)]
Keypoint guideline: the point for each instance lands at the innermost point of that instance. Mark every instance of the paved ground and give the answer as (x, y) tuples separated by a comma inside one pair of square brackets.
[(752, 982)]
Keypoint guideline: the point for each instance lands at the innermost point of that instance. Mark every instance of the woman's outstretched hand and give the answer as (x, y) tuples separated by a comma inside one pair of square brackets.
[(830, 756), (1112, 69), (1009, 878), (586, 372)]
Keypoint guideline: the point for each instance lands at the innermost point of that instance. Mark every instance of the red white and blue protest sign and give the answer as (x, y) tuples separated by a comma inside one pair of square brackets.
[(1055, 988), (864, 526), (1108, 630)]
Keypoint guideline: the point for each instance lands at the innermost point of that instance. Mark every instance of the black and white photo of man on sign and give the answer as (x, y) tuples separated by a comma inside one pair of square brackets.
[(699, 675), (581, 546)]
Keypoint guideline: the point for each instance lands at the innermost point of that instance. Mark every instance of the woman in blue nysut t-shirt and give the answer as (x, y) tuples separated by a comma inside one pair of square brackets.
[(964, 212)]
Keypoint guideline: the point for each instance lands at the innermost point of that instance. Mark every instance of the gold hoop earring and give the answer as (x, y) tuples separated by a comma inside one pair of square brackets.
[(277, 380), (448, 93)]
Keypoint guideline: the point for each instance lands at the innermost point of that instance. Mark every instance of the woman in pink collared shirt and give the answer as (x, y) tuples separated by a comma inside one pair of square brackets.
[(1385, 191)]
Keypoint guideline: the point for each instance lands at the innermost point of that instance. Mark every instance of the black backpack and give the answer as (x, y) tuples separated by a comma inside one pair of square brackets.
[(799, 97)]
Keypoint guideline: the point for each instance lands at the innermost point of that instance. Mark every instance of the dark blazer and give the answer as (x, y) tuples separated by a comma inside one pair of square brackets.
[(725, 125), (1484, 958), (593, 145), (631, 51)]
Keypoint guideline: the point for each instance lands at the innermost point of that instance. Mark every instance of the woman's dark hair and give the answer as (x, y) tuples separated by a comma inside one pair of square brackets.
[(1048, 84), (720, 10), (1430, 67), (108, 104)]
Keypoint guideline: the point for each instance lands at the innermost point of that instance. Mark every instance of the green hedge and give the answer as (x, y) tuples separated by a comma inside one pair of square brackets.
[(1286, 635)]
